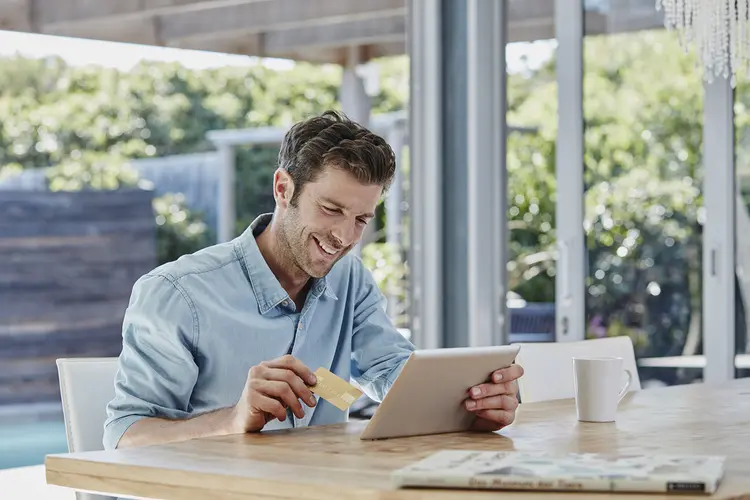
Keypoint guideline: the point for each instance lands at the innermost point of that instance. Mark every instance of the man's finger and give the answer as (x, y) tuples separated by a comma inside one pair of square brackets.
[(294, 381), (291, 363), (501, 402), (485, 390), (269, 405), (509, 374), (282, 392)]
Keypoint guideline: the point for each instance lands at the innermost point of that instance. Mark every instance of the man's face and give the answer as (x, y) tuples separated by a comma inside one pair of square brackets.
[(328, 220)]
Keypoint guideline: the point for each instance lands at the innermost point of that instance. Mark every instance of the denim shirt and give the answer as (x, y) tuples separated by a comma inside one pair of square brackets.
[(194, 328)]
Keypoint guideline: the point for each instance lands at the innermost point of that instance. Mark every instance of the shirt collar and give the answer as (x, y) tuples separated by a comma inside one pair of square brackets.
[(266, 286)]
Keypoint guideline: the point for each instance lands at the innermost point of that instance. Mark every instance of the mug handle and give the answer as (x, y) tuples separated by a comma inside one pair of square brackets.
[(624, 389)]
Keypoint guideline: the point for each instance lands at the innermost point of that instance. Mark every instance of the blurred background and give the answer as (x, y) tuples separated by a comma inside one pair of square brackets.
[(135, 132)]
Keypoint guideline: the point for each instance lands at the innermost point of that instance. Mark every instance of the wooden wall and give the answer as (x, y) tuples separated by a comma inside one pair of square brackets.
[(68, 262)]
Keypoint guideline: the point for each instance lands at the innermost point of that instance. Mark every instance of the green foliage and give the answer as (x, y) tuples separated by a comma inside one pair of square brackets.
[(390, 272), (617, 328), (393, 74), (255, 169), (531, 217), (91, 170), (178, 229), (642, 158), (8, 171), (532, 106), (51, 111), (644, 111)]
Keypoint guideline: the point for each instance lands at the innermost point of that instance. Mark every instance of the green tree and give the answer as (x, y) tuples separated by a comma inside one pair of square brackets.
[(642, 159), (53, 114)]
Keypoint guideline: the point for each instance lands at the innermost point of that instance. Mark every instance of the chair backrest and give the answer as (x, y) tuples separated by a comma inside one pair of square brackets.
[(87, 385), (548, 367)]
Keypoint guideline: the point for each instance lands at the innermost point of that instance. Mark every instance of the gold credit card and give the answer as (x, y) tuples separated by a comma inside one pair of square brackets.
[(335, 389)]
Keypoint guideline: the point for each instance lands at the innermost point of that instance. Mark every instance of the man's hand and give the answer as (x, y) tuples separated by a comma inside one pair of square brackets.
[(271, 388), (495, 402)]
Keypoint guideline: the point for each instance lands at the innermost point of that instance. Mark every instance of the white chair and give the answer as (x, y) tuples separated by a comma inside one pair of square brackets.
[(87, 385), (548, 366)]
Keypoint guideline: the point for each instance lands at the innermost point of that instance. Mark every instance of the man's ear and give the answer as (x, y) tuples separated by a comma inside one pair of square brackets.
[(283, 187)]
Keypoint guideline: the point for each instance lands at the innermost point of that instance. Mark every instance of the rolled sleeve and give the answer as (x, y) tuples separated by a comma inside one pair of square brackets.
[(379, 351), (156, 370)]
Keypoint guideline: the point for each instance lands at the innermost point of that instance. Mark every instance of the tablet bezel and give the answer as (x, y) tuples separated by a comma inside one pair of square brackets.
[(423, 403)]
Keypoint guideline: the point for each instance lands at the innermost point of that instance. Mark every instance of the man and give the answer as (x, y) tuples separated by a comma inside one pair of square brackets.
[(225, 340)]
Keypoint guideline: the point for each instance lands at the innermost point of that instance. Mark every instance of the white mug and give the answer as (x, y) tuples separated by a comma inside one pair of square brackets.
[(598, 387)]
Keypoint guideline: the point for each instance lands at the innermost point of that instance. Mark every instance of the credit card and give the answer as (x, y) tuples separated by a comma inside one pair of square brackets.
[(335, 389)]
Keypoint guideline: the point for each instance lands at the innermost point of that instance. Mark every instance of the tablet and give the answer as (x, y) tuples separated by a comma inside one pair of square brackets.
[(428, 395)]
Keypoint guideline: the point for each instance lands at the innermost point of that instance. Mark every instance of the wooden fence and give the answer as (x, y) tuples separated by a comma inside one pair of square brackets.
[(68, 262), (195, 175)]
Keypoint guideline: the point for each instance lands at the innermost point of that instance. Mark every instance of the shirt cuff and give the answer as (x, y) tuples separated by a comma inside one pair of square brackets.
[(114, 430)]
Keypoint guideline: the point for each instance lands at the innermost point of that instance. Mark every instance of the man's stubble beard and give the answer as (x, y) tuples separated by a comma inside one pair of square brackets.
[(293, 252), (294, 245)]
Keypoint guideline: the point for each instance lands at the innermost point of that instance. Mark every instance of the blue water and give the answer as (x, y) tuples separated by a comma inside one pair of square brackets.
[(26, 443)]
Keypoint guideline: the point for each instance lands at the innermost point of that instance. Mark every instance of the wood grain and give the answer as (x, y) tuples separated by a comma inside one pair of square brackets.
[(329, 462), (69, 261)]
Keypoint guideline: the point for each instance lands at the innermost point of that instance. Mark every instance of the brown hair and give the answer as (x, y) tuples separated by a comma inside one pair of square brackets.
[(335, 140)]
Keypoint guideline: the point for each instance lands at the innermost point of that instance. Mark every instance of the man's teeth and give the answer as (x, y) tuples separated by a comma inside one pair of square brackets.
[(326, 248)]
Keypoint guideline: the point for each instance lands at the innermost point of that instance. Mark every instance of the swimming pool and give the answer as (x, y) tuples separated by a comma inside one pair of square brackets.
[(27, 443)]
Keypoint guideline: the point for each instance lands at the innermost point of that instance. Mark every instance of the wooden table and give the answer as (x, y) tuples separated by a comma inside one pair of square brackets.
[(330, 462)]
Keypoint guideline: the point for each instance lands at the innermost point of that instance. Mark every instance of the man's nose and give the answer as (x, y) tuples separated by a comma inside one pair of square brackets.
[(345, 233)]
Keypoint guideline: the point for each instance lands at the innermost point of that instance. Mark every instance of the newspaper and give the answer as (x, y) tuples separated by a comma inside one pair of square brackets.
[(569, 472)]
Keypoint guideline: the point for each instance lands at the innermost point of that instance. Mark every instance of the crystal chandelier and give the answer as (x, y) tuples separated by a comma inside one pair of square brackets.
[(718, 29)]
